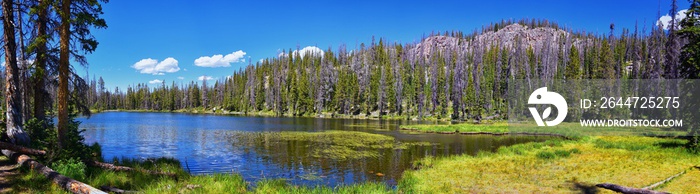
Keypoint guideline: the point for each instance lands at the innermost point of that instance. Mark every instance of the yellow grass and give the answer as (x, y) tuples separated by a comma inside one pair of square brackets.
[(629, 161), (684, 184)]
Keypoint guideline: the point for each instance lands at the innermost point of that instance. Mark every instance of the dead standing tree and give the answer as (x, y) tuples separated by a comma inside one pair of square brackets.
[(13, 97)]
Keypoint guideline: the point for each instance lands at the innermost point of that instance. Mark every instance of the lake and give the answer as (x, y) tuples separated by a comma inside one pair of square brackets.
[(207, 144)]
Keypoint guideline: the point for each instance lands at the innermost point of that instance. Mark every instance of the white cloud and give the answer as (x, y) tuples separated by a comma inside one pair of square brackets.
[(204, 77), (180, 78), (220, 60), (666, 19), (155, 81), (309, 49), (152, 66)]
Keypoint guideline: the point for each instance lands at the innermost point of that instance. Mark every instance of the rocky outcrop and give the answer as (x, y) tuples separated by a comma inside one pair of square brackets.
[(508, 37)]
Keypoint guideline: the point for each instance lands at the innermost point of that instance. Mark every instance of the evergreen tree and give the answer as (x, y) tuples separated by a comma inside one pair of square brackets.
[(690, 30), (573, 69), (603, 69)]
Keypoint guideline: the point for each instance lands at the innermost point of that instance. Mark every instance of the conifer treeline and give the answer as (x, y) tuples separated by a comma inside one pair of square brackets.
[(445, 75)]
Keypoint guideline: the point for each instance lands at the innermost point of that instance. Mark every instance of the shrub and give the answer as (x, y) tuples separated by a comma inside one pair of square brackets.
[(575, 151), (546, 155), (693, 145), (557, 153), (39, 132), (72, 168), (562, 153), (44, 136)]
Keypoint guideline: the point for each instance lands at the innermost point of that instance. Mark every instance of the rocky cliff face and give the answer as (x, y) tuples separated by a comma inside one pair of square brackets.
[(549, 45), (509, 37)]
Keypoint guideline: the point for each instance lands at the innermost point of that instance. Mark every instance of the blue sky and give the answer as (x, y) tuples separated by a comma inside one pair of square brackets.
[(145, 39)]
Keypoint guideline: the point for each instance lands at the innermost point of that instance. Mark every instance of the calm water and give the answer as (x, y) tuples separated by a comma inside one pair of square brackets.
[(203, 144)]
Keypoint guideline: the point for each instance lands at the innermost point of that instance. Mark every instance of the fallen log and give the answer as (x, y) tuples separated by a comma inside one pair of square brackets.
[(114, 189), (30, 151), (113, 167), (627, 190), (21, 149), (653, 186), (64, 182)]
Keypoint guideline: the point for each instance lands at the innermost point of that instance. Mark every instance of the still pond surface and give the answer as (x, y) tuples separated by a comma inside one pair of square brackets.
[(207, 144)]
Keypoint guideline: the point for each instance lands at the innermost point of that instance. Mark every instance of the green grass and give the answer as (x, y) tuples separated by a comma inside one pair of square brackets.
[(29, 181), (497, 128), (279, 186)]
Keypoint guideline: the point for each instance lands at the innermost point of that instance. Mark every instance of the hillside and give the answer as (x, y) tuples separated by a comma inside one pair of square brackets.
[(459, 76)]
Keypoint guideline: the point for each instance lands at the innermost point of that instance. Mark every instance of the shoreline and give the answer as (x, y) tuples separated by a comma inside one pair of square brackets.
[(490, 133), (270, 114)]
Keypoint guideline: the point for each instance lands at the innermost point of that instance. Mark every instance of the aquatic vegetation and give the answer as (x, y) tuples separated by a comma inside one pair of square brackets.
[(497, 128), (373, 126), (335, 145)]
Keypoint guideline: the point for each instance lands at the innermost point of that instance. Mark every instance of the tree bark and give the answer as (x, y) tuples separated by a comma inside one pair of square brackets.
[(653, 186), (40, 68), (114, 189), (64, 182), (63, 72), (20, 149), (23, 66), (627, 190), (12, 95)]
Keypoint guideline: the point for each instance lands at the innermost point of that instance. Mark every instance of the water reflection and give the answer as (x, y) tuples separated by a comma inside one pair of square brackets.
[(203, 144)]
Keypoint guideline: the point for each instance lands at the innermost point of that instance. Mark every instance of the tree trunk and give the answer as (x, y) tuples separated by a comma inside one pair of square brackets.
[(12, 96), (20, 149), (655, 185), (40, 68), (64, 182), (63, 70), (627, 190), (23, 66), (114, 189)]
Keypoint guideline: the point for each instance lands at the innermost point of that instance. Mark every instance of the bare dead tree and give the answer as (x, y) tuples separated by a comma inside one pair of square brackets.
[(672, 46), (13, 97), (396, 64)]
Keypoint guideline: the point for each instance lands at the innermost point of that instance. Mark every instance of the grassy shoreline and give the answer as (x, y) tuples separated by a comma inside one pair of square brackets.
[(28, 181), (569, 130), (561, 166)]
